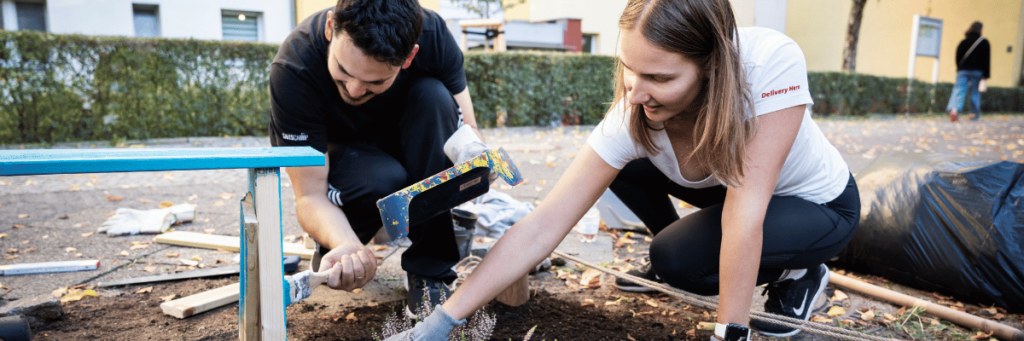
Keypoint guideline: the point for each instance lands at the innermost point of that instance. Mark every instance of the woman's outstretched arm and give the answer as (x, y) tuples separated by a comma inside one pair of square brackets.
[(534, 237)]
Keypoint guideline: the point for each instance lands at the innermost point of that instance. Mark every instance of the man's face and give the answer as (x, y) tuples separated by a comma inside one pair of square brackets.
[(358, 77)]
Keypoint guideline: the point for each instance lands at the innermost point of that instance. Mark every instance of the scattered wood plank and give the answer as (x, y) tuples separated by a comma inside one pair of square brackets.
[(227, 243), (49, 267), (201, 302), (221, 271)]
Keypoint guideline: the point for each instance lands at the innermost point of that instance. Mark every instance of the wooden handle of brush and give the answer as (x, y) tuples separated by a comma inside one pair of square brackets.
[(964, 319)]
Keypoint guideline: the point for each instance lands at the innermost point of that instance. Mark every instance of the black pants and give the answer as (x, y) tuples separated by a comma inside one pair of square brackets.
[(798, 233), (365, 172)]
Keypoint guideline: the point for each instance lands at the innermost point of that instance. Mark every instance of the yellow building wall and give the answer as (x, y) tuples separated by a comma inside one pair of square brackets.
[(884, 46), (305, 8)]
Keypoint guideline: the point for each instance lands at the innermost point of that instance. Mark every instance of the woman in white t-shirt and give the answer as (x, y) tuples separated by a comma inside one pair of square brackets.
[(718, 117)]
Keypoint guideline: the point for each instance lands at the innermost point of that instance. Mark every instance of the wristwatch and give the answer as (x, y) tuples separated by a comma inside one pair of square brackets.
[(731, 332)]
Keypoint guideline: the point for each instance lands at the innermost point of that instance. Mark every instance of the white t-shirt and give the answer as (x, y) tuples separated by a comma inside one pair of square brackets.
[(777, 73)]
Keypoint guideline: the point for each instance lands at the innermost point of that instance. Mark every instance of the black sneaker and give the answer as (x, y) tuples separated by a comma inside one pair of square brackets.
[(792, 298), (645, 272), (424, 290)]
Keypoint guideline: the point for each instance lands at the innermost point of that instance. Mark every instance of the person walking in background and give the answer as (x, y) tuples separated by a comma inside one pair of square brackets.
[(972, 70)]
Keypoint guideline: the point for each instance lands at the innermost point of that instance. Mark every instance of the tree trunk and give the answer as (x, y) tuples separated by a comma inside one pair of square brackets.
[(852, 34)]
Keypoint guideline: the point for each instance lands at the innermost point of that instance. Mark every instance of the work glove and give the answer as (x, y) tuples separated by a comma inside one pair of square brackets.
[(465, 145), (435, 327), (129, 221)]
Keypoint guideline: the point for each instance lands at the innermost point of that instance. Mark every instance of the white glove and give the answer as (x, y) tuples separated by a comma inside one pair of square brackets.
[(435, 327), (129, 221), (465, 145)]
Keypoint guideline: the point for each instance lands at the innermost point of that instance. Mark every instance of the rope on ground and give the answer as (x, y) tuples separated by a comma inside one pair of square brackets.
[(712, 304)]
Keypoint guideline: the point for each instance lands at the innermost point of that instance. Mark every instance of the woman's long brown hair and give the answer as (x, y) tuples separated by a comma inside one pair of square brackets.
[(704, 31)]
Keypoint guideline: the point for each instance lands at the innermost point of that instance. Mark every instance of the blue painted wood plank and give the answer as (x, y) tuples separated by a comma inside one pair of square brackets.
[(70, 161)]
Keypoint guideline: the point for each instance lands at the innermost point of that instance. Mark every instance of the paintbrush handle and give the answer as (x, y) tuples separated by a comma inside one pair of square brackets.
[(318, 278)]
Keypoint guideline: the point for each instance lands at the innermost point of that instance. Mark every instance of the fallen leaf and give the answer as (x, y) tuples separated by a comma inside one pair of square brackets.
[(113, 198), (18, 226), (591, 278), (588, 303), (630, 248), (616, 302), (691, 334), (144, 290), (172, 255), (124, 253), (628, 337), (78, 255), (12, 250), (839, 296), (981, 335), (706, 325), (648, 239), (59, 292), (70, 249), (357, 290), (209, 231), (139, 246), (351, 317), (188, 262), (166, 204), (3, 235), (821, 319), (652, 303), (77, 294), (218, 203), (935, 322), (63, 217), (226, 195), (193, 197), (23, 216), (371, 304), (144, 201), (836, 311), (149, 269), (622, 241), (867, 315), (380, 247), (889, 317), (168, 297), (88, 234)]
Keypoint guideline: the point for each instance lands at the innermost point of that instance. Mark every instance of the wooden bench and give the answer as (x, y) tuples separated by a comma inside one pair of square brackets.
[(264, 319)]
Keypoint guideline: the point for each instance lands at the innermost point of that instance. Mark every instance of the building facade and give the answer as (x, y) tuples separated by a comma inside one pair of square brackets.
[(242, 20)]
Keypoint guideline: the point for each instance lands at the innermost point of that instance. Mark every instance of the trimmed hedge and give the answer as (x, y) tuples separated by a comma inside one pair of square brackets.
[(57, 88)]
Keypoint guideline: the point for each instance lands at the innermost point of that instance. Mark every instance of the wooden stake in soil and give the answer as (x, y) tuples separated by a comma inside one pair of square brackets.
[(250, 284), (517, 293)]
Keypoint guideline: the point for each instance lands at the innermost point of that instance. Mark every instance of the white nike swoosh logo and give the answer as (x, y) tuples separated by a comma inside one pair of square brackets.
[(800, 311)]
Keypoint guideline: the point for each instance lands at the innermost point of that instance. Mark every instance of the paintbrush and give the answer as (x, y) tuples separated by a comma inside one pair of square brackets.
[(299, 286)]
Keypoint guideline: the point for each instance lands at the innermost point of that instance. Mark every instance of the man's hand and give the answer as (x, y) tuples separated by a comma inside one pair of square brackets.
[(358, 266)]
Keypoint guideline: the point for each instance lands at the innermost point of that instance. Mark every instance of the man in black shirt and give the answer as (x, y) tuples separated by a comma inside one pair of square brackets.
[(376, 85)]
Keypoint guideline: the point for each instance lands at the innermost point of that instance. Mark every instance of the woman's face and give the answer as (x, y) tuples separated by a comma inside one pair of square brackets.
[(664, 83)]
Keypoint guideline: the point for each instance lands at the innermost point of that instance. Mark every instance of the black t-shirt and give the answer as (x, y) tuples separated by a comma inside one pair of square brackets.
[(306, 108)]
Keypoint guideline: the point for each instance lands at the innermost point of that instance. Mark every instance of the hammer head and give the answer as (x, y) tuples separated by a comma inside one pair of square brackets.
[(445, 190)]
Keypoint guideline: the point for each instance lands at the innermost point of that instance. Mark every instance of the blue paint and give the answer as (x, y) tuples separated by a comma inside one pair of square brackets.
[(72, 161)]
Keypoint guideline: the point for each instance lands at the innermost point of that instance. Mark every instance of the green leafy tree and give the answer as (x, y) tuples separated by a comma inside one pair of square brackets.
[(483, 8)]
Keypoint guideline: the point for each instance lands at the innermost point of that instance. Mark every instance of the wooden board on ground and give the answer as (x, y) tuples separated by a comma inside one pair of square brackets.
[(221, 271), (226, 243), (198, 303)]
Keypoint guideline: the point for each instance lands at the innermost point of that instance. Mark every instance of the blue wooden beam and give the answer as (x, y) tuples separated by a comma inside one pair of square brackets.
[(72, 161)]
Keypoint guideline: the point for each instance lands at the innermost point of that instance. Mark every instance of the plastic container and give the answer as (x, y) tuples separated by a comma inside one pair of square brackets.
[(588, 226)]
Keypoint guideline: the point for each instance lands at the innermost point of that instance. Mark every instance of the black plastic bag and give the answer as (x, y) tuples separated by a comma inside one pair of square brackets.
[(945, 224)]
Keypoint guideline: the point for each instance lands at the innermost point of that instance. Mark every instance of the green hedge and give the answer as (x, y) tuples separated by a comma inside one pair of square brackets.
[(56, 88), (72, 87)]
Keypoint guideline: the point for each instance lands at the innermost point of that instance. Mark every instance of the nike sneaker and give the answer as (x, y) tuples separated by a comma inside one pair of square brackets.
[(793, 298), (645, 272)]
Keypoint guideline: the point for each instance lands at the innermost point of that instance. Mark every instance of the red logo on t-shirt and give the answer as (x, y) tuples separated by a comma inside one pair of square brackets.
[(780, 91)]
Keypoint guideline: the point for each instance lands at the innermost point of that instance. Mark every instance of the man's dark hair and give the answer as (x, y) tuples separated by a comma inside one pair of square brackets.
[(974, 30), (384, 29)]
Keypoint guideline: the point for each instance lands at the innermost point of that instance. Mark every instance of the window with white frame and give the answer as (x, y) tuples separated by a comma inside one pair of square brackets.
[(147, 20), (589, 43), (31, 15), (240, 26)]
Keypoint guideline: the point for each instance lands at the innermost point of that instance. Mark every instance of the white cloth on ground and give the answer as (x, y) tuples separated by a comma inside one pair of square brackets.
[(497, 212)]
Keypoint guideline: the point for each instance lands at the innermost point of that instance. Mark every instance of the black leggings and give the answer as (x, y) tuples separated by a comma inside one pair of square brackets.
[(798, 234)]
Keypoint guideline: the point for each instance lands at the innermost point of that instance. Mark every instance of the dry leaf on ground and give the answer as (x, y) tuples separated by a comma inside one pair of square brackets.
[(124, 253), (218, 203), (351, 317), (836, 311), (113, 198), (59, 292), (77, 294), (839, 296), (867, 315), (18, 226), (226, 196), (172, 255), (889, 317), (144, 290), (652, 303), (821, 319), (70, 249), (149, 269), (588, 303), (88, 234), (166, 204), (144, 201), (591, 278), (168, 297)]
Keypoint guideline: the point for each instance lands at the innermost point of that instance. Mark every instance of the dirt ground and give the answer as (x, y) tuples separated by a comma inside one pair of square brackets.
[(59, 211)]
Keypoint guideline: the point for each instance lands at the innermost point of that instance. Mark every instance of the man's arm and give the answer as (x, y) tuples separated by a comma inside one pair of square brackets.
[(329, 227), (468, 117)]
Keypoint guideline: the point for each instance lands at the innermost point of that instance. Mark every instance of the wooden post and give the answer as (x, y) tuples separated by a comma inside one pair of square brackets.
[(249, 314), (267, 193), (517, 293)]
